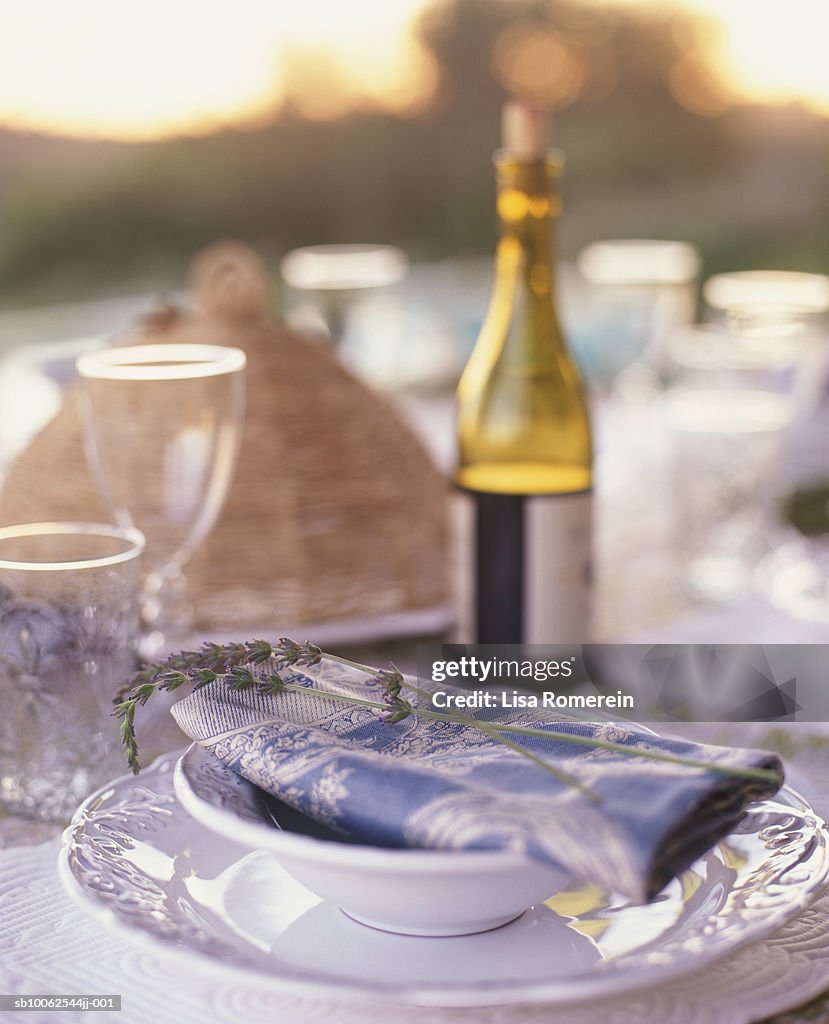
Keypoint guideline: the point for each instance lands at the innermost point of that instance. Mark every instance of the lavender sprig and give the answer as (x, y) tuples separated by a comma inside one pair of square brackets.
[(232, 663)]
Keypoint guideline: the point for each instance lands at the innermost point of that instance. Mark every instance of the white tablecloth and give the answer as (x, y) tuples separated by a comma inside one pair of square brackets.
[(49, 946)]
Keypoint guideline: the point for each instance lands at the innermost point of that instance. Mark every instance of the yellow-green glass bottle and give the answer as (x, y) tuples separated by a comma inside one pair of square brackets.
[(525, 449)]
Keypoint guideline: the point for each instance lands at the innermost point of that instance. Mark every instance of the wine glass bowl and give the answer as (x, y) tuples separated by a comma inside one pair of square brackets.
[(771, 289), (326, 279), (163, 431), (778, 312), (637, 291)]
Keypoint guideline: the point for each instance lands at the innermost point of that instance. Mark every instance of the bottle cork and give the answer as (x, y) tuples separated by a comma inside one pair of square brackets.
[(524, 131)]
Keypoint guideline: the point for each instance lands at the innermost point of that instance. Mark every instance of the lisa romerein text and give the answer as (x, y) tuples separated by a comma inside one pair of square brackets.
[(473, 699)]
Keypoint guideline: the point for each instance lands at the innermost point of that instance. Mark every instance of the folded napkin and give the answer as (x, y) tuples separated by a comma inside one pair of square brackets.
[(440, 785)]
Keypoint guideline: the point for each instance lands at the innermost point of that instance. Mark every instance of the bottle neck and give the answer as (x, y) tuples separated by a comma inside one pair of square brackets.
[(528, 205)]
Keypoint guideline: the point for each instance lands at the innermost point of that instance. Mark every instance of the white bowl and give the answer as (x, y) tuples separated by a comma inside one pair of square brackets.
[(412, 892)]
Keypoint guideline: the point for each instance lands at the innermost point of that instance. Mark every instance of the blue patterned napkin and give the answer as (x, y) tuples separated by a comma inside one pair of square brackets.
[(441, 785)]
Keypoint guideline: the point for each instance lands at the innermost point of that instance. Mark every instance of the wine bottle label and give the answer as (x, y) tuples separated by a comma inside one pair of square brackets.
[(557, 568), (533, 568)]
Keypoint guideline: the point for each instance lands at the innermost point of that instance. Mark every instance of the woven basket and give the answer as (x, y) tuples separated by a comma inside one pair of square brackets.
[(335, 511)]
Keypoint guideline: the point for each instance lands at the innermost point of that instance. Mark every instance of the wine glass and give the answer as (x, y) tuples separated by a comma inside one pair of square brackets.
[(164, 425), (778, 311), (634, 292), (329, 277), (638, 290), (727, 449), (785, 312)]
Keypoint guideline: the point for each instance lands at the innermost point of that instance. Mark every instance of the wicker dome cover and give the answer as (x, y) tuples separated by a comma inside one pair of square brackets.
[(335, 511)]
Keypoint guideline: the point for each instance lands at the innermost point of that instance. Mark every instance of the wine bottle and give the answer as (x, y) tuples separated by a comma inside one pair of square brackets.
[(525, 450)]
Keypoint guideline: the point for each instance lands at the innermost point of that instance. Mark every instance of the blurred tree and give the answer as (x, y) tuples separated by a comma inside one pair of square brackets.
[(654, 145)]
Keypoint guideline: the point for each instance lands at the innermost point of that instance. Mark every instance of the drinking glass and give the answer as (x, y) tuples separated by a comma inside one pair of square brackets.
[(743, 289), (329, 277), (69, 609), (727, 448), (634, 291), (778, 314), (639, 289), (742, 354), (163, 428), (780, 311)]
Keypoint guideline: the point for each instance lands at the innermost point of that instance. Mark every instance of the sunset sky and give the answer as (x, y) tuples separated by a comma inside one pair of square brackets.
[(94, 68)]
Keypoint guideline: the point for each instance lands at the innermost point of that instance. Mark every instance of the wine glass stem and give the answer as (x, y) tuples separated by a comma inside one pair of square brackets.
[(166, 612)]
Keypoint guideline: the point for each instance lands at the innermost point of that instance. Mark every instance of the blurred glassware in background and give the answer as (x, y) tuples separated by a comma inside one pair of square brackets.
[(744, 353), (775, 311), (727, 446), (164, 425), (782, 318), (629, 294), (327, 279), (766, 288), (795, 577), (390, 337), (69, 615), (344, 267), (637, 291), (400, 340), (732, 393)]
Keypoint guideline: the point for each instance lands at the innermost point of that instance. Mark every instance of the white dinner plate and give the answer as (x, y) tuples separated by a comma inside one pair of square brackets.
[(137, 860)]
